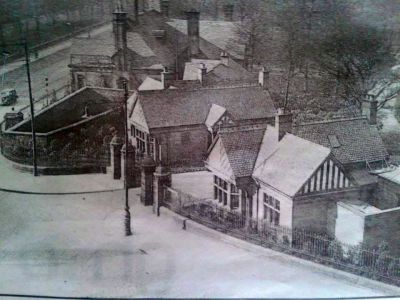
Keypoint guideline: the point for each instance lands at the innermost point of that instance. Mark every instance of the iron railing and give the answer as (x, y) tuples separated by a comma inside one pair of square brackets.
[(321, 248)]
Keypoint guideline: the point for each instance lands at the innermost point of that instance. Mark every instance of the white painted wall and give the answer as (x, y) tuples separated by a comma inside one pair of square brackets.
[(286, 204), (349, 227)]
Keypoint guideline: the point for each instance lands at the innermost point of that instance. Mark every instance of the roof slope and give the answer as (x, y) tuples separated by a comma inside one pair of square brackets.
[(292, 164), (358, 140), (191, 107), (242, 148), (219, 33)]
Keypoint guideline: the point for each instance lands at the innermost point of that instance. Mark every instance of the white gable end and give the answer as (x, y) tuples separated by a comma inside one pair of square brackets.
[(218, 162), (138, 118)]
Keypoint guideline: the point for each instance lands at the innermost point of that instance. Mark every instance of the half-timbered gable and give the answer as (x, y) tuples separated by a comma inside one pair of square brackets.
[(329, 176)]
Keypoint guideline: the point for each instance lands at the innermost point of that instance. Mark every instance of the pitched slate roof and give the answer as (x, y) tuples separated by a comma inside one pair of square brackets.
[(292, 163), (191, 107), (358, 140), (219, 33), (242, 146)]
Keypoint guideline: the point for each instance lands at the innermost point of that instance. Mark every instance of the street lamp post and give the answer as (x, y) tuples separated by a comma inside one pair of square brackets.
[(28, 74), (128, 231)]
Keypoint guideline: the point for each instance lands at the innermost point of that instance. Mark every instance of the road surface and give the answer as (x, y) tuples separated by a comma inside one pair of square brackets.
[(52, 63), (74, 246)]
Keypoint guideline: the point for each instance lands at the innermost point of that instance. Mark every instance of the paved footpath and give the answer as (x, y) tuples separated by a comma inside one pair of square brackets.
[(14, 180), (74, 245)]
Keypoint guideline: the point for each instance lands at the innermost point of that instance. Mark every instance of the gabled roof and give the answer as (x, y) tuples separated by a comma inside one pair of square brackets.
[(357, 140), (242, 146), (215, 113), (192, 68), (217, 71), (150, 84), (219, 33), (191, 107), (292, 163)]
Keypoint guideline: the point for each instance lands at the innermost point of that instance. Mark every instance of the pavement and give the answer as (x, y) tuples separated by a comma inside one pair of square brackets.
[(74, 245), (13, 180)]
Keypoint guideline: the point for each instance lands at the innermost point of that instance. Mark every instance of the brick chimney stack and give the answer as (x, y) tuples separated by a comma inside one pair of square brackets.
[(120, 24), (228, 12), (283, 122), (370, 109), (164, 7), (193, 27), (166, 78), (225, 58)]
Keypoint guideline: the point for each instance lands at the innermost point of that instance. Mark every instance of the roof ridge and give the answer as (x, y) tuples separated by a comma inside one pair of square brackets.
[(331, 121), (225, 87)]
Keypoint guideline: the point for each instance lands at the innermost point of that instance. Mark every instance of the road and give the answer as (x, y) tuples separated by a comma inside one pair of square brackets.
[(73, 245), (52, 63)]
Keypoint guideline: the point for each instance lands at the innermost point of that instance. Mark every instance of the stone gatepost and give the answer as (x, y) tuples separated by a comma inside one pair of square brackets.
[(115, 152), (130, 158), (148, 167), (162, 177)]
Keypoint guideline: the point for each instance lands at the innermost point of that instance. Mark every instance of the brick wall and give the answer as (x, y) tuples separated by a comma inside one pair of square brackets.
[(388, 195), (384, 226), (184, 147), (311, 215)]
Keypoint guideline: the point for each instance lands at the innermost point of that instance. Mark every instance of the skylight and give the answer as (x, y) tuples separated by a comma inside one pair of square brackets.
[(333, 140)]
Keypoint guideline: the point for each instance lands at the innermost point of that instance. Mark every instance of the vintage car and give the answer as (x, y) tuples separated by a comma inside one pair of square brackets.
[(8, 97)]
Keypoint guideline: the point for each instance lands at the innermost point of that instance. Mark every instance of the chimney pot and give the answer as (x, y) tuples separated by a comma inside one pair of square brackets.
[(202, 72)]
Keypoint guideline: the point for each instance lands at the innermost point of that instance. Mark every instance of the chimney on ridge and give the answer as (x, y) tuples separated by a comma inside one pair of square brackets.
[(263, 78), (164, 7), (166, 78), (225, 58), (202, 72), (193, 27), (370, 109), (228, 12), (283, 123)]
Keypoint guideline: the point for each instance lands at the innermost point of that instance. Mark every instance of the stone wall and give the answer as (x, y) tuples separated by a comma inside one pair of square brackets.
[(75, 146)]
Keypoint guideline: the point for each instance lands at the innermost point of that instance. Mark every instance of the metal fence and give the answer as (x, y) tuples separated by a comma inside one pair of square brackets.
[(320, 248)]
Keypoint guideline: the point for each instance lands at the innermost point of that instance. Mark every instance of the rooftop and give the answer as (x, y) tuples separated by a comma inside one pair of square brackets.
[(291, 164), (393, 175), (352, 140), (219, 33), (242, 146), (191, 107)]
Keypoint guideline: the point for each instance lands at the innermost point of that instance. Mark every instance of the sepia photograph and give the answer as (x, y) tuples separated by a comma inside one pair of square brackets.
[(199, 149)]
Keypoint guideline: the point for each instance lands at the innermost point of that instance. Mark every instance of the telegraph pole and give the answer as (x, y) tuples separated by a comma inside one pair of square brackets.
[(128, 231), (28, 74)]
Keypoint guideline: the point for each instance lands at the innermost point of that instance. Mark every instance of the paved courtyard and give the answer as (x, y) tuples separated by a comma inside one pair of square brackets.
[(73, 245)]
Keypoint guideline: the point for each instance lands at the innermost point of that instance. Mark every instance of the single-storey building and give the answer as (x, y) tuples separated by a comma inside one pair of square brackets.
[(176, 127), (282, 180)]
